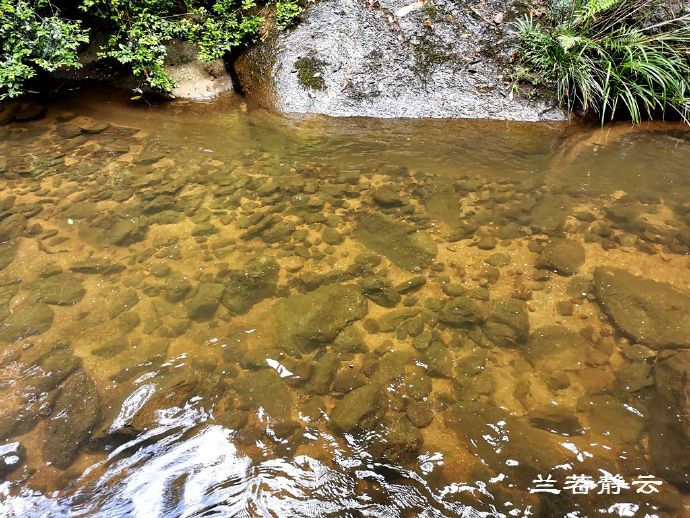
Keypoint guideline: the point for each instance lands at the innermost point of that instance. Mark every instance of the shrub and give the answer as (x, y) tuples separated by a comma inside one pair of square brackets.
[(287, 13), (605, 55), (34, 36)]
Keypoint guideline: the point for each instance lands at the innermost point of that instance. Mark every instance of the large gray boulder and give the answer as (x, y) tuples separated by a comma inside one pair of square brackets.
[(391, 58)]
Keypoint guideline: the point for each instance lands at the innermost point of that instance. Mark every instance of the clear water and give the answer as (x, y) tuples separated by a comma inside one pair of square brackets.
[(149, 368)]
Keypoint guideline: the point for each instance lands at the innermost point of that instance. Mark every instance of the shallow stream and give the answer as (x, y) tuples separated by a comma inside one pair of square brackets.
[(210, 310)]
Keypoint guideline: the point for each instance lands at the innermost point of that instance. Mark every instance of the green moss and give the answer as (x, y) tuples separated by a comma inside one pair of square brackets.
[(428, 56), (310, 73)]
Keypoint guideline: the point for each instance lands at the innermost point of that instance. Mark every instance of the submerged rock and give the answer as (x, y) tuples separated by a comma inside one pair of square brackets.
[(62, 289), (360, 409), (306, 321), (651, 312), (203, 304), (563, 255), (12, 227), (556, 420), (380, 291), (612, 418), (386, 60), (176, 287), (75, 415), (97, 266), (26, 319), (494, 435), (396, 439), (669, 426), (508, 323), (8, 252), (461, 312), (405, 247), (264, 389), (121, 302), (141, 410), (555, 348), (253, 283)]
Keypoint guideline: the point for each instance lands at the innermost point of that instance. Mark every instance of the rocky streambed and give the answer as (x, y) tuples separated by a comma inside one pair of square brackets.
[(188, 327)]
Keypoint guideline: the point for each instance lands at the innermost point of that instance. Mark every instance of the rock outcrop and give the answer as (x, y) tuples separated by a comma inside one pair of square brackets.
[(391, 58)]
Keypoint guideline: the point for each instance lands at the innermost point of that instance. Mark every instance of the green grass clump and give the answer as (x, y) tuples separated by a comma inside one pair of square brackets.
[(610, 56)]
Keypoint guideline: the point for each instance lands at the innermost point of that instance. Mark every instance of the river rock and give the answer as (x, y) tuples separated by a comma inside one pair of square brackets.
[(493, 435), (361, 409), (508, 323), (8, 252), (400, 242), (33, 394), (612, 418), (176, 287), (169, 389), (204, 302), (439, 360), (653, 313), (26, 319), (97, 266), (12, 227), (556, 420), (264, 389), (380, 291), (419, 413), (62, 289), (461, 312), (387, 197), (306, 321), (389, 59), (556, 350), (9, 286), (322, 376), (75, 415), (396, 439), (563, 255), (121, 302), (548, 216), (253, 283), (669, 426)]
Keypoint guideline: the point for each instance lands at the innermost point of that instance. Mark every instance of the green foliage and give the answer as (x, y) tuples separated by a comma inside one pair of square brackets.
[(141, 29), (34, 36), (604, 55), (287, 13)]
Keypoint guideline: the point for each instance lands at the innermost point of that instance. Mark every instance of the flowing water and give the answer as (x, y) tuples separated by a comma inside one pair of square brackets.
[(209, 310)]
